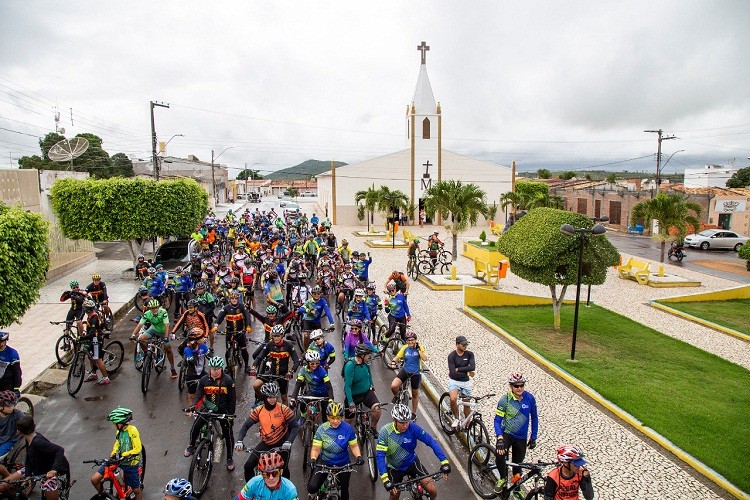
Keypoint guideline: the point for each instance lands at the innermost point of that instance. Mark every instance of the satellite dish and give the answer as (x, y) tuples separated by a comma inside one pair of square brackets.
[(66, 150), (61, 131)]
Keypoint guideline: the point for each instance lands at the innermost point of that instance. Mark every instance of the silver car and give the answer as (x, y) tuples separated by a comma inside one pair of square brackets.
[(716, 238)]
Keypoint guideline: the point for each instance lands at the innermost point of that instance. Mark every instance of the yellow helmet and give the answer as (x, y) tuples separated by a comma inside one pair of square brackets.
[(335, 409)]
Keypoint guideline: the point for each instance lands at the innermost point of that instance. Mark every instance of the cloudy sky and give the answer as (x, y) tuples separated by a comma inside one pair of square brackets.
[(561, 85)]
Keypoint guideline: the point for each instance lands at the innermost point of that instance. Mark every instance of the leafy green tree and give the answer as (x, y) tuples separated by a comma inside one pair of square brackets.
[(292, 192), (566, 176), (128, 209), (24, 253), (492, 211), (740, 178), (744, 253), (366, 201), (460, 203), (391, 201), (34, 161), (122, 166), (249, 174), (670, 211), (612, 178), (543, 173), (539, 252)]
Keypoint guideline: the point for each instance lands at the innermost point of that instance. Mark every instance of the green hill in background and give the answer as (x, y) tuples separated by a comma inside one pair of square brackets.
[(304, 170)]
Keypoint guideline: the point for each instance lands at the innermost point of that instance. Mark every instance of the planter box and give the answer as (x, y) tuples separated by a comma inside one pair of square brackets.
[(486, 253)]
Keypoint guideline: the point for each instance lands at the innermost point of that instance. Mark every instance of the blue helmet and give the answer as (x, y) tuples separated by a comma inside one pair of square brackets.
[(181, 488)]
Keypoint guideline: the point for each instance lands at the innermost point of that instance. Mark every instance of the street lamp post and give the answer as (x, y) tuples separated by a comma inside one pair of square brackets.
[(580, 233), (160, 158), (603, 218), (213, 172)]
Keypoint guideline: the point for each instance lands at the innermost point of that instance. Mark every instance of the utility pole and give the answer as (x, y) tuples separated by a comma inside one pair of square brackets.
[(213, 178), (153, 138), (658, 154)]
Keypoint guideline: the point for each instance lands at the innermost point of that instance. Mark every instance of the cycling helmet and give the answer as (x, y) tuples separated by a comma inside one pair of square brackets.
[(178, 269), (151, 270), (372, 286), (120, 415), (411, 334), (192, 303), (241, 246), (269, 389), (362, 349), (360, 292), (568, 453), (8, 398), (223, 263), (180, 488), (140, 256), (152, 303), (312, 356), (271, 310), (314, 335), (516, 378), (96, 277), (270, 461), (355, 253), (159, 266), (277, 330), (401, 413), (74, 284), (391, 287), (316, 289), (215, 248), (416, 240), (89, 304), (235, 280), (195, 333), (355, 323), (216, 362), (234, 295), (143, 291), (335, 409), (344, 242), (4, 336)]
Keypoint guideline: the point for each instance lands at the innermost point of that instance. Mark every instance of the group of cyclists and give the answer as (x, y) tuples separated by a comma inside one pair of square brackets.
[(285, 270)]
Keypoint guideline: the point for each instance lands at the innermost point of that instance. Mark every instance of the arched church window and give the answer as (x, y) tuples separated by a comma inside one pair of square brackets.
[(426, 128)]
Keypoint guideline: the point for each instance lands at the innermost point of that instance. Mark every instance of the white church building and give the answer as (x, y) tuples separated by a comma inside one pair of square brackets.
[(412, 170)]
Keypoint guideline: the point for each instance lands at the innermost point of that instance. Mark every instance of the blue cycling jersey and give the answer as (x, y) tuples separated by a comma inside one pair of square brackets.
[(359, 310), (183, 284), (334, 443), (397, 306), (396, 450), (256, 489), (327, 352), (512, 416), (315, 380)]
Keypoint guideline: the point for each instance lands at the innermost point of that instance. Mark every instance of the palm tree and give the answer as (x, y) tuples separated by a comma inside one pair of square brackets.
[(367, 201), (462, 203), (389, 202), (669, 211)]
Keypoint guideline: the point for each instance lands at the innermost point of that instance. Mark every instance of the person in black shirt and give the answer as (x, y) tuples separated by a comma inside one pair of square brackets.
[(42, 458), (461, 368)]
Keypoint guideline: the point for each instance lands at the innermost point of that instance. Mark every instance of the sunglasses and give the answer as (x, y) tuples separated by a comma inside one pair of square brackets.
[(271, 473), (336, 419), (517, 386)]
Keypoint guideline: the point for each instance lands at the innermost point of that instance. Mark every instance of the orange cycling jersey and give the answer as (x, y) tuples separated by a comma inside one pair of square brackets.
[(567, 489), (274, 423)]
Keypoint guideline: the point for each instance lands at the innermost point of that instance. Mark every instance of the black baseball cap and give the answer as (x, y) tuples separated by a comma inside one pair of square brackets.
[(462, 340)]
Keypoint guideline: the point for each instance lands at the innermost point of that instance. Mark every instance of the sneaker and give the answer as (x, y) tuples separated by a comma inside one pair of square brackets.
[(230, 464), (189, 451), (499, 486), (174, 374), (103, 381), (92, 377), (139, 357)]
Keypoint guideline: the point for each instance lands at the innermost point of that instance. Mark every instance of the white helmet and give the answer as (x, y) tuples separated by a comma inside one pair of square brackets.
[(312, 356), (316, 334)]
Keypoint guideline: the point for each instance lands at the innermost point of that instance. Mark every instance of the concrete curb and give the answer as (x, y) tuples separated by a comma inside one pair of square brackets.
[(626, 417), (696, 319)]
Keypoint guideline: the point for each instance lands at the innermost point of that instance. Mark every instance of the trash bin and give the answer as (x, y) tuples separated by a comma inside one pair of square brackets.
[(502, 268)]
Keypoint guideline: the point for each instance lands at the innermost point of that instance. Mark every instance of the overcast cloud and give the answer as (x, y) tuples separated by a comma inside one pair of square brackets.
[(547, 84)]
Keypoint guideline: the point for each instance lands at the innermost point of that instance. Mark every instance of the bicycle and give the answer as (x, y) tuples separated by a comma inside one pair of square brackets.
[(404, 390), (484, 472), (24, 404), (331, 488), (111, 354), (314, 406), (412, 269), (154, 357), (366, 439), (117, 489), (233, 354), (392, 347), (25, 487), (414, 485), (473, 425), (429, 266), (203, 458), (164, 299), (65, 343)]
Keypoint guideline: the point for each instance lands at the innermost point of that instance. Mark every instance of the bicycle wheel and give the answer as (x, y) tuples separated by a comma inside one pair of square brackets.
[(443, 268), (166, 300), (403, 394), (76, 373), (24, 404), (16, 456), (112, 356), (372, 466), (483, 471), (138, 350), (307, 436), (183, 376), (146, 372), (423, 255), (231, 366), (64, 349), (200, 466), (535, 494), (411, 269), (138, 302), (445, 257), (391, 349), (477, 433), (424, 267), (446, 414)]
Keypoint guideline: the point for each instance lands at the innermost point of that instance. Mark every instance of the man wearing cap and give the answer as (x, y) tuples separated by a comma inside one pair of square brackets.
[(461, 368)]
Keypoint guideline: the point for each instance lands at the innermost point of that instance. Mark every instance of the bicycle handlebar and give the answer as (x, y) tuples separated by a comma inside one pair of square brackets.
[(404, 484), (531, 465)]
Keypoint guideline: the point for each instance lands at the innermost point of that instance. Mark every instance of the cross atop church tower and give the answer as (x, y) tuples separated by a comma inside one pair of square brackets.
[(423, 49)]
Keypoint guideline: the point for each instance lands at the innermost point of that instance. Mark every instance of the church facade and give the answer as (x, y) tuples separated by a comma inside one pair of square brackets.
[(413, 170)]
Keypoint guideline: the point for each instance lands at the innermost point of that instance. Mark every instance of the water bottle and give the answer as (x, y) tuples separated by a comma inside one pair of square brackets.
[(119, 475)]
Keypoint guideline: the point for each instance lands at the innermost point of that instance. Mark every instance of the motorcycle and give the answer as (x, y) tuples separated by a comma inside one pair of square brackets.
[(677, 251)]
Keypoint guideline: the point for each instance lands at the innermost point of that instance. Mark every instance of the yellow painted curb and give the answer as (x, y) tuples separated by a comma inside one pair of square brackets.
[(704, 322), (696, 464)]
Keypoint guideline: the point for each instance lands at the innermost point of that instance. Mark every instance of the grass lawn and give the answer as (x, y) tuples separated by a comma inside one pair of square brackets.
[(729, 313), (697, 400)]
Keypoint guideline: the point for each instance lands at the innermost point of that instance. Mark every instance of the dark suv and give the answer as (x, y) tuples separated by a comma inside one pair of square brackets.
[(173, 254)]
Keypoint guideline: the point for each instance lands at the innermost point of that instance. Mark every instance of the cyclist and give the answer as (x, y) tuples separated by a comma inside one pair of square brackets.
[(362, 266), (154, 284), (312, 312), (358, 386), (278, 428), (95, 335), (97, 290), (206, 304), (216, 394), (238, 322), (374, 304), (413, 251), (192, 318), (268, 484), (413, 355), (515, 410), (127, 449), (395, 453), (344, 251), (270, 320), (273, 290), (195, 355), (158, 317), (398, 311), (313, 378), (358, 307), (278, 352), (461, 366), (162, 274), (178, 489), (400, 280), (183, 283), (564, 481), (354, 338), (434, 245), (141, 267), (331, 444), (325, 349), (9, 416), (223, 276), (10, 366), (347, 282), (76, 297), (42, 458)]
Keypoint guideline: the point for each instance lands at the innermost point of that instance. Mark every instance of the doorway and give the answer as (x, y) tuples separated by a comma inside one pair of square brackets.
[(725, 221)]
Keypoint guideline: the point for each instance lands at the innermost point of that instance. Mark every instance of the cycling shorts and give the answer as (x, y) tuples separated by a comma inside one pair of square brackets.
[(150, 333), (416, 469), (403, 375), (369, 399)]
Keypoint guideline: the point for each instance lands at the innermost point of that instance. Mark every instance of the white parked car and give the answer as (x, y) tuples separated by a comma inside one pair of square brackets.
[(716, 238)]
